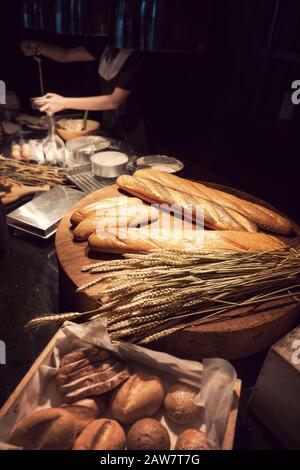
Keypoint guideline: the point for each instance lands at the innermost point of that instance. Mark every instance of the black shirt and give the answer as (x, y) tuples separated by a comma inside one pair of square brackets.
[(123, 122)]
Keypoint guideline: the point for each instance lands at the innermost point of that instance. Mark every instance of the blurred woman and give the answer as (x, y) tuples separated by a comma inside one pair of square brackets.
[(121, 75)]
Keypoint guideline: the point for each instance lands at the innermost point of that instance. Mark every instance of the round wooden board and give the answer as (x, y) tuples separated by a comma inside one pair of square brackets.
[(230, 339)]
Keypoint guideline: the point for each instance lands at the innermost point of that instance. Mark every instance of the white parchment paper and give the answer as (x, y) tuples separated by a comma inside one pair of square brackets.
[(215, 379)]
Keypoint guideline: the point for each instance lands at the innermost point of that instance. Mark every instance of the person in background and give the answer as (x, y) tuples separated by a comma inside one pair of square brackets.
[(121, 75)]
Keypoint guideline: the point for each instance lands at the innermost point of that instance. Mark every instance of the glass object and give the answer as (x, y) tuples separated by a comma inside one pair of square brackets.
[(37, 151), (53, 146)]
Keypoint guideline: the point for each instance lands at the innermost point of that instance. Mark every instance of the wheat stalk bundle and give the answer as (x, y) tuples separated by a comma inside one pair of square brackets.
[(148, 296)]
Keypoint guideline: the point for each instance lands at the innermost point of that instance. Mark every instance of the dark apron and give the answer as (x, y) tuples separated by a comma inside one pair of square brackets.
[(125, 123)]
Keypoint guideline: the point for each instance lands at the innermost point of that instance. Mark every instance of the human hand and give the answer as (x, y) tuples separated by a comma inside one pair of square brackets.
[(30, 48), (51, 103)]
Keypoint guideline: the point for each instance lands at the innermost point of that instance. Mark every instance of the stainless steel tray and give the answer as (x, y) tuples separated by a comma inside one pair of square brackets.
[(41, 216)]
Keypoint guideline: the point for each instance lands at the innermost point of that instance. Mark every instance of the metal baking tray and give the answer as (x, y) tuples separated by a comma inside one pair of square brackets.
[(40, 217)]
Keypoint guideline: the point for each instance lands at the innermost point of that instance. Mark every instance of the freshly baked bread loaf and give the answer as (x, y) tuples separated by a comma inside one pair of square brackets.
[(215, 216), (85, 353), (98, 388), (265, 218), (148, 434), (131, 216), (86, 411), (139, 397), (180, 403), (102, 434), (191, 439), (94, 367), (139, 240), (48, 429), (89, 372), (91, 378), (103, 207)]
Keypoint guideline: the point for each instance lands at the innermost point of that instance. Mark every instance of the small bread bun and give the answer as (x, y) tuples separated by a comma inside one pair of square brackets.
[(148, 434), (86, 411), (179, 403), (140, 396), (191, 439), (49, 429), (102, 434)]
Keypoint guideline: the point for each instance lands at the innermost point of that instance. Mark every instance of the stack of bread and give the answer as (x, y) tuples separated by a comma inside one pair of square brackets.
[(107, 407), (230, 223)]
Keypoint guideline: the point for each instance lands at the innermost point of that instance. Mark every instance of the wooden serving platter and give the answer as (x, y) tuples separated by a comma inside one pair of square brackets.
[(18, 190), (227, 338)]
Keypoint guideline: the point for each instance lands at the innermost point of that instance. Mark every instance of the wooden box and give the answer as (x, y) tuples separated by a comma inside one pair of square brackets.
[(275, 400), (12, 404)]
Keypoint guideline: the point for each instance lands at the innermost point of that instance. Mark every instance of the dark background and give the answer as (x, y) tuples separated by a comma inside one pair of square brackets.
[(220, 107)]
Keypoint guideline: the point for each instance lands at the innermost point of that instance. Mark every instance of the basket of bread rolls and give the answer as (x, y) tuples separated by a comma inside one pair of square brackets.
[(86, 393)]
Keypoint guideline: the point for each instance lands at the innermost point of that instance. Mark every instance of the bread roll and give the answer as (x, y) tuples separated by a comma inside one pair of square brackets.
[(139, 397), (49, 429), (148, 434), (260, 215), (191, 439), (86, 411), (139, 240), (215, 216), (102, 434), (103, 207), (180, 403)]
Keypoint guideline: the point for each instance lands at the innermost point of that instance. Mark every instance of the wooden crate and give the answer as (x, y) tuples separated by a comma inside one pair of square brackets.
[(275, 399), (12, 404)]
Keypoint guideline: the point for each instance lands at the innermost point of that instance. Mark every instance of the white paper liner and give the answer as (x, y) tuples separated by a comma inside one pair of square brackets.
[(215, 378)]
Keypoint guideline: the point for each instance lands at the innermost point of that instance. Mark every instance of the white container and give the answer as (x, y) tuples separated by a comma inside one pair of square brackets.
[(109, 164)]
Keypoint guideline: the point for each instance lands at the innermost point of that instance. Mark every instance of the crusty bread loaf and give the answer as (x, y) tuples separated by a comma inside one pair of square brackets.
[(180, 403), (139, 240), (98, 366), (148, 434), (102, 207), (191, 439), (140, 396), (91, 378), (265, 218), (215, 216), (47, 429), (85, 353), (102, 434), (123, 216), (97, 388), (89, 372), (86, 411)]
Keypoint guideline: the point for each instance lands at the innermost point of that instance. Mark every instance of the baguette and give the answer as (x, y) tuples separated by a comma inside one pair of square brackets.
[(265, 218), (215, 217), (103, 207), (140, 240), (130, 216)]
